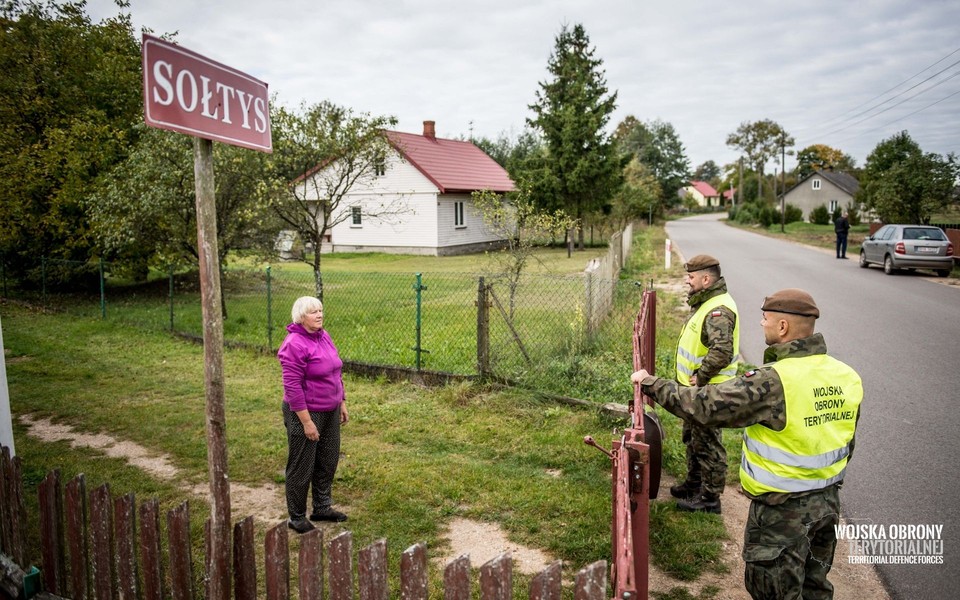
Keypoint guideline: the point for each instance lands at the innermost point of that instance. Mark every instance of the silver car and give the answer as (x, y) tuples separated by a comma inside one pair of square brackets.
[(908, 247)]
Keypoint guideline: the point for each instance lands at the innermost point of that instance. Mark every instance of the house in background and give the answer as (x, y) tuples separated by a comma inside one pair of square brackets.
[(422, 196), (702, 192), (833, 189), (729, 196)]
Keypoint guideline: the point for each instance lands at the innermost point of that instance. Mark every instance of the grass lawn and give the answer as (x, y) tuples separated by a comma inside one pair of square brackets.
[(413, 458), (553, 261)]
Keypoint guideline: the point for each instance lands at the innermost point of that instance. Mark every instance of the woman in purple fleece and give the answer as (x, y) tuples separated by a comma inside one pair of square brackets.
[(313, 410)]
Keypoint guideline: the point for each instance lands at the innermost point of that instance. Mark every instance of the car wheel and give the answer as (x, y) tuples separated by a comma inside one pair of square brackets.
[(863, 260), (943, 272), (888, 267)]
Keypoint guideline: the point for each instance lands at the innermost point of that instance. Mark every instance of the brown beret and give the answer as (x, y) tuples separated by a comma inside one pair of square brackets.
[(700, 262), (792, 301)]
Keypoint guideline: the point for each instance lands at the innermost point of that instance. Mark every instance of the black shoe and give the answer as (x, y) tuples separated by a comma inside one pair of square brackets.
[(708, 503), (328, 514), (685, 490), (300, 525)]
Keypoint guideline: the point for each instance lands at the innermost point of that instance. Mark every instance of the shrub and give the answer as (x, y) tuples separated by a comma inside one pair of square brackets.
[(820, 215), (794, 214), (853, 215), (768, 215), (747, 214)]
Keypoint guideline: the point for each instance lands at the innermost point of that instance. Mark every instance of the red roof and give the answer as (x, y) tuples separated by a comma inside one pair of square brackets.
[(452, 165), (704, 188)]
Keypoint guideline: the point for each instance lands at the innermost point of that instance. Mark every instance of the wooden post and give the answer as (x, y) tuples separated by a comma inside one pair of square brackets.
[(413, 573), (219, 559), (483, 330), (456, 579)]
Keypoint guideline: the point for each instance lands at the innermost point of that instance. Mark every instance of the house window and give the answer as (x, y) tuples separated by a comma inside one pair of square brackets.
[(816, 184), (834, 205), (356, 216), (380, 166), (458, 215)]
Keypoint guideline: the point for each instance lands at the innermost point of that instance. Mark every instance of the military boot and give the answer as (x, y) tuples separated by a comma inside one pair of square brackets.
[(686, 490), (705, 502)]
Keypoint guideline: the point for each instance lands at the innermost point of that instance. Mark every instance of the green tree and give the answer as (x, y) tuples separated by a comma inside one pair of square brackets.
[(820, 157), (513, 153), (144, 211), (639, 198), (579, 170), (760, 142), (709, 172), (320, 153), (656, 145), (69, 99), (903, 184)]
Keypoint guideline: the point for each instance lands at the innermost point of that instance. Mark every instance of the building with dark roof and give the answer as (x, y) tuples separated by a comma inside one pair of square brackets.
[(833, 189)]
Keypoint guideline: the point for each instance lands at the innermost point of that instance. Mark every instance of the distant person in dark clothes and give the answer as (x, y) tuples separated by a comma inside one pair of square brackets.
[(313, 410), (842, 227)]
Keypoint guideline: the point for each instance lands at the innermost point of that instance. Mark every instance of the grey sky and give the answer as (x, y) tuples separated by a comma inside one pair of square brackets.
[(817, 68)]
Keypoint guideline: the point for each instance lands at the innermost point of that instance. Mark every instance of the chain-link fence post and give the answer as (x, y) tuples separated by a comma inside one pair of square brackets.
[(103, 292), (483, 330), (269, 313), (419, 287), (3, 273), (43, 281), (170, 294)]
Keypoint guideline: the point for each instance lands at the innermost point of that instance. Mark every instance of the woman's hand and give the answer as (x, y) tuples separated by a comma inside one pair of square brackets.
[(310, 430), (344, 417)]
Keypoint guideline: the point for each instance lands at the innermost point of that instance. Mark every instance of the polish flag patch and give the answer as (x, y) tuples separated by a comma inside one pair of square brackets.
[(716, 313)]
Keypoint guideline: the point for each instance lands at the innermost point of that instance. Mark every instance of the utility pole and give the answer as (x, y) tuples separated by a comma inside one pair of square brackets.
[(783, 184), (740, 187)]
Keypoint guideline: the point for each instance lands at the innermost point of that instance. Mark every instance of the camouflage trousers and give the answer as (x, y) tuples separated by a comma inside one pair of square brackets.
[(789, 547), (706, 457)]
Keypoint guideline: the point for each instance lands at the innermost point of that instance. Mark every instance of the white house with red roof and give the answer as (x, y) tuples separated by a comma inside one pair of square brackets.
[(702, 192), (426, 183)]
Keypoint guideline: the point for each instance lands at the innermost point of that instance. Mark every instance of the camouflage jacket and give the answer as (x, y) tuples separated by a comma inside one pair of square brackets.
[(756, 397), (716, 333)]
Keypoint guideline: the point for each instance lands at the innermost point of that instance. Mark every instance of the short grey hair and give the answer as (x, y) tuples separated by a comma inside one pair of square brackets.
[(304, 305)]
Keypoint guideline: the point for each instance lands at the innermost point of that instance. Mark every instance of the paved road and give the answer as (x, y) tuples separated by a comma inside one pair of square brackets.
[(902, 334)]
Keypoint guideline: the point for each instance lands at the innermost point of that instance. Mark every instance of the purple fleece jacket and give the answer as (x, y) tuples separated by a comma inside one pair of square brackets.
[(312, 370)]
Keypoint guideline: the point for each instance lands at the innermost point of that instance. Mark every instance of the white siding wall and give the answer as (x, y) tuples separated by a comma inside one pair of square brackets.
[(475, 230), (403, 191), (423, 220)]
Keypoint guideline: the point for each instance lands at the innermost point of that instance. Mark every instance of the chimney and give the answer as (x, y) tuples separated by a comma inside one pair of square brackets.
[(429, 130)]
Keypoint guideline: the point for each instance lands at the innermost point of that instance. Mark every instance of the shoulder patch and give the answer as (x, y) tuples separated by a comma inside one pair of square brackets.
[(716, 313)]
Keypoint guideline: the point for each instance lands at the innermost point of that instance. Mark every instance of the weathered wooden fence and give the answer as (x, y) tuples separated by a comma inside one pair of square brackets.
[(96, 546)]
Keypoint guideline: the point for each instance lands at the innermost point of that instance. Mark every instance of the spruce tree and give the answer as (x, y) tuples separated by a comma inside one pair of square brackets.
[(580, 170)]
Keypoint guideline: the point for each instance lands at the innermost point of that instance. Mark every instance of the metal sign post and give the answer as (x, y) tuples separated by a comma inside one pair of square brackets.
[(189, 93)]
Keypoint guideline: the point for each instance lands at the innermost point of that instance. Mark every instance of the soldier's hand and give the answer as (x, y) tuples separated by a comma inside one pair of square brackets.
[(639, 376)]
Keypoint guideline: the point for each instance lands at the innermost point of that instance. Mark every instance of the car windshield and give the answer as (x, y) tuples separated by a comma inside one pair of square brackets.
[(923, 233)]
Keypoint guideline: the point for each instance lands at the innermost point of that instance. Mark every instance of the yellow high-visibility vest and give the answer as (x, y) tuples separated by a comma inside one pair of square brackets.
[(690, 349), (822, 397)]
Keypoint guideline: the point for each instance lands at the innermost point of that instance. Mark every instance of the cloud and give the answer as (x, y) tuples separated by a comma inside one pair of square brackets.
[(704, 67)]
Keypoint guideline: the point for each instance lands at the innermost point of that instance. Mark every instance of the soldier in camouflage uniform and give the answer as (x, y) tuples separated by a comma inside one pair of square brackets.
[(800, 411), (707, 351)]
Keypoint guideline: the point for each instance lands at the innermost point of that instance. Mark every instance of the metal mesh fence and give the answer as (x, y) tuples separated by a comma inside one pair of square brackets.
[(539, 330)]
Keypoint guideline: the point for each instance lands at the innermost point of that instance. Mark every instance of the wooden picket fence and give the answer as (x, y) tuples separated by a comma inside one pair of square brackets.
[(95, 546)]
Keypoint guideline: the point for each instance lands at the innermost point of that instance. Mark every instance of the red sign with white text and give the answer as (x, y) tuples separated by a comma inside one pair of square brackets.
[(188, 93)]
